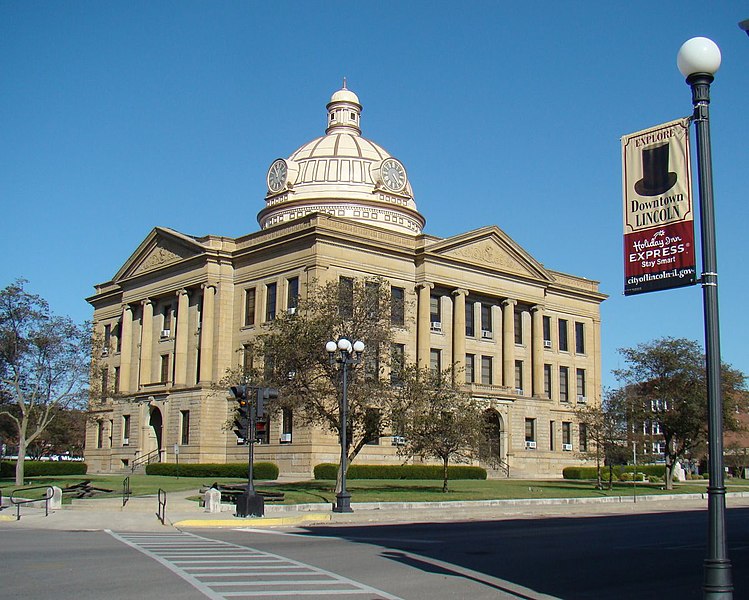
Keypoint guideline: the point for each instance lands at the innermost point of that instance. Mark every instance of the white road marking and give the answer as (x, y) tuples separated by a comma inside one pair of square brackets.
[(197, 561)]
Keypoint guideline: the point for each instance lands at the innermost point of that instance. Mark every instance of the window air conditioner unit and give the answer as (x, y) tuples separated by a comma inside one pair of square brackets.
[(165, 333), (547, 343), (399, 440), (567, 447), (529, 444), (126, 441), (436, 326), (285, 438), (104, 352), (292, 310), (486, 334), (519, 391), (582, 399)]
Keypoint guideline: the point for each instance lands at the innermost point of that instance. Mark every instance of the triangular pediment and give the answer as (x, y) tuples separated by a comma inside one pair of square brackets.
[(491, 248), (162, 247)]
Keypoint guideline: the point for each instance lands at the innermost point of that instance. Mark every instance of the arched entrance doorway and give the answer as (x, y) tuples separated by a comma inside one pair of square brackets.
[(495, 442), (155, 431)]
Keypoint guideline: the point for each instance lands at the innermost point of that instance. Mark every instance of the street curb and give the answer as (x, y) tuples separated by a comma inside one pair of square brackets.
[(252, 522)]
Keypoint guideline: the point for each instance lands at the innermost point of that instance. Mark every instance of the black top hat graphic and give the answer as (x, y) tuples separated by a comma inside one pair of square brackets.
[(656, 178)]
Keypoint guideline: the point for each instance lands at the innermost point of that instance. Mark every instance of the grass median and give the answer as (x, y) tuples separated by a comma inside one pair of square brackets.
[(372, 490)]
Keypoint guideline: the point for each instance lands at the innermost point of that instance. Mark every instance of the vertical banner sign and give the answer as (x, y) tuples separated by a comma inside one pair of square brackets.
[(658, 214)]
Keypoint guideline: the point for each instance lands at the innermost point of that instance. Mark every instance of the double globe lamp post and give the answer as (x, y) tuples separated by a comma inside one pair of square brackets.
[(698, 60), (348, 354)]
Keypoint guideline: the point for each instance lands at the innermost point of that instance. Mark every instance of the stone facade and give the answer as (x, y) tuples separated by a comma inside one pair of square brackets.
[(177, 314)]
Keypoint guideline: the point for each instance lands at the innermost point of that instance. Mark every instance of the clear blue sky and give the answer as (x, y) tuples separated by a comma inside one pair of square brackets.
[(116, 117)]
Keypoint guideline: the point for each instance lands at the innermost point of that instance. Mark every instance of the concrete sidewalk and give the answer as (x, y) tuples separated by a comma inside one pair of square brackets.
[(140, 514)]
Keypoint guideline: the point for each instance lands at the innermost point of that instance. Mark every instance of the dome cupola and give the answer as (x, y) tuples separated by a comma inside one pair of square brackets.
[(342, 174)]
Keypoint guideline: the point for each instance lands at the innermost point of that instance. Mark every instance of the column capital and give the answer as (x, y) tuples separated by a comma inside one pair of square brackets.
[(125, 306), (208, 285), (537, 308), (509, 302), (459, 292), (182, 292), (146, 302), (424, 284)]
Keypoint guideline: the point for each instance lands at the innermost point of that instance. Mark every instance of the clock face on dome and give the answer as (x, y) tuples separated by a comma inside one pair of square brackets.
[(393, 174), (277, 175)]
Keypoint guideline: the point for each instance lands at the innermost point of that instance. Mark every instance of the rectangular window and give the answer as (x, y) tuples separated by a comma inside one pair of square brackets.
[(107, 337), (371, 360), (247, 359), (470, 318), (486, 370), (566, 433), (435, 314), (580, 384), (346, 297), (270, 301), (583, 437), (518, 322), (530, 430), (398, 358), (104, 382), (249, 307), (184, 427), (292, 293), (547, 381), (518, 376), (547, 331), (116, 380), (372, 426), (118, 338), (397, 306), (287, 425), (579, 338), (564, 384), (470, 366), (563, 346), (486, 317), (164, 368), (552, 436), (372, 299), (125, 430), (435, 362), (100, 434), (166, 318)]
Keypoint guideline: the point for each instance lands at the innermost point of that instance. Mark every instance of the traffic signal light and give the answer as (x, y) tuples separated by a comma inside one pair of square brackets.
[(242, 412)]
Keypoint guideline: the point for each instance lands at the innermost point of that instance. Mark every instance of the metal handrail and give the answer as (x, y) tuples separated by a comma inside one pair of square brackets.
[(146, 458), (126, 492), (19, 501), (161, 514)]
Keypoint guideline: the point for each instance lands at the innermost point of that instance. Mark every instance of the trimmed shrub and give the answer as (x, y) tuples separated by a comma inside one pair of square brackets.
[(327, 471), (619, 471), (38, 468), (260, 470)]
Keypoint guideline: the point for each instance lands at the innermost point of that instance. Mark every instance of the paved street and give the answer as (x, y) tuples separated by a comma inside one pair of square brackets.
[(614, 556)]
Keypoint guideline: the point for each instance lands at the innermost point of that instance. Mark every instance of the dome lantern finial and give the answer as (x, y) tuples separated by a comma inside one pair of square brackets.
[(344, 112)]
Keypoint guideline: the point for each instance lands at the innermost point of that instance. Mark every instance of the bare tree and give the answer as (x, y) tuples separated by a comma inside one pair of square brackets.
[(44, 365)]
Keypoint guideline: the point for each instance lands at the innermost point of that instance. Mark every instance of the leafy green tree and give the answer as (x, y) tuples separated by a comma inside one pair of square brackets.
[(290, 355), (436, 419), (664, 384), (44, 365)]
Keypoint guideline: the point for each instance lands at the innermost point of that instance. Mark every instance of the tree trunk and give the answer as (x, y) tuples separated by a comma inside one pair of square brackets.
[(669, 473), (21, 457), (444, 474)]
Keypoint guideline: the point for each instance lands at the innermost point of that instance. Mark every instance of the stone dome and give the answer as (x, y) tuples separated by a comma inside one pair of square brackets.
[(342, 174)]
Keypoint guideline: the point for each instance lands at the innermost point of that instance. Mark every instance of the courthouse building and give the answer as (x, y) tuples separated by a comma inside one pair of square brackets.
[(180, 310)]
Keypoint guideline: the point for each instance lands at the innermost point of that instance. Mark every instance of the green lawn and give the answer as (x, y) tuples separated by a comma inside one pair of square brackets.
[(380, 490)]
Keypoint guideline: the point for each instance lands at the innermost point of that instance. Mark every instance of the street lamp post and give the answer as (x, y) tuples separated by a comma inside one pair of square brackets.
[(348, 354), (698, 60)]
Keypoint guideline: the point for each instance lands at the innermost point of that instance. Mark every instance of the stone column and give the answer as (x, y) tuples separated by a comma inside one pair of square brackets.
[(508, 342), (537, 348), (180, 341), (206, 333), (422, 325), (146, 342), (459, 333), (126, 347)]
